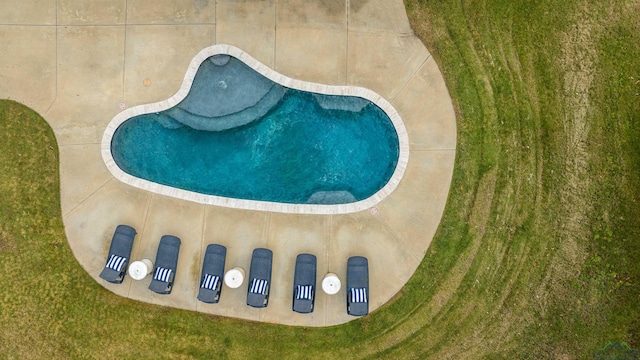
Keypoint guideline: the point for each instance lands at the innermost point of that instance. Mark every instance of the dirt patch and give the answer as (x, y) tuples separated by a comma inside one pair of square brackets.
[(7, 242)]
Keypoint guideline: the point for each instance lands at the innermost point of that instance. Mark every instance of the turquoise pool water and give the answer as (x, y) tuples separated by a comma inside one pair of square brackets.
[(284, 145)]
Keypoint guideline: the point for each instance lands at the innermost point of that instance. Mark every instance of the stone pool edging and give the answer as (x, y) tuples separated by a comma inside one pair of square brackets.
[(223, 49)]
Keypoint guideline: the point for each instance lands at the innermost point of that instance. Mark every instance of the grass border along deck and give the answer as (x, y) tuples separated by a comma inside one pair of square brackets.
[(536, 256)]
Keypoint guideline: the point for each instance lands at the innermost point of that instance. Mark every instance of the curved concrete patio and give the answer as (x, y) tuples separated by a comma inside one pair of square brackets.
[(76, 61)]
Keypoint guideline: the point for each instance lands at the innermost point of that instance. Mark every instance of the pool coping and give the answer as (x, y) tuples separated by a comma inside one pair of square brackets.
[(225, 49)]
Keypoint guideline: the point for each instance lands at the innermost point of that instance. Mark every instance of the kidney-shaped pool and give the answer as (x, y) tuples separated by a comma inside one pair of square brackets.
[(239, 134)]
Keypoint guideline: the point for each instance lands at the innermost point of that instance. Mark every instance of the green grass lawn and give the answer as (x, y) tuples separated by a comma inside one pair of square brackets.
[(536, 255)]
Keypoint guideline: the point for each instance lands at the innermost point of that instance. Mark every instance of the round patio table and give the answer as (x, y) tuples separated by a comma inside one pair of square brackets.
[(331, 284), (234, 277), (138, 270)]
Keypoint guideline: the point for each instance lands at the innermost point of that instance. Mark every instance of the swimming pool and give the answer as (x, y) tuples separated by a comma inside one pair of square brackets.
[(238, 134)]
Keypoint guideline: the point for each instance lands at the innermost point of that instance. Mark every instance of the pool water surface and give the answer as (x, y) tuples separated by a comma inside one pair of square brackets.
[(299, 152)]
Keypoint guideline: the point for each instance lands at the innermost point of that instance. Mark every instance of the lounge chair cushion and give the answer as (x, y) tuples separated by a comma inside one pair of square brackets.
[(304, 292), (359, 295), (210, 282), (259, 286), (116, 262), (162, 274)]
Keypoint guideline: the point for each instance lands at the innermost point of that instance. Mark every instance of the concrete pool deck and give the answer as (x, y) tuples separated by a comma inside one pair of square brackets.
[(76, 61)]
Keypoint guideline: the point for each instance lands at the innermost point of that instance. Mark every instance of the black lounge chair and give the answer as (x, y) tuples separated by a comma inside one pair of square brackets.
[(357, 286), (212, 274), (165, 266), (119, 254), (304, 283), (259, 278)]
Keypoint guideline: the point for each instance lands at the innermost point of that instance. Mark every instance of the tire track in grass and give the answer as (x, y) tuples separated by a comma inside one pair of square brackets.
[(573, 224), (459, 324), (423, 317), (439, 307)]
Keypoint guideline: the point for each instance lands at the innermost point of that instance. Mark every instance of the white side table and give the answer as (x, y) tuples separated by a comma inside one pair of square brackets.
[(331, 284), (138, 270), (234, 277)]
